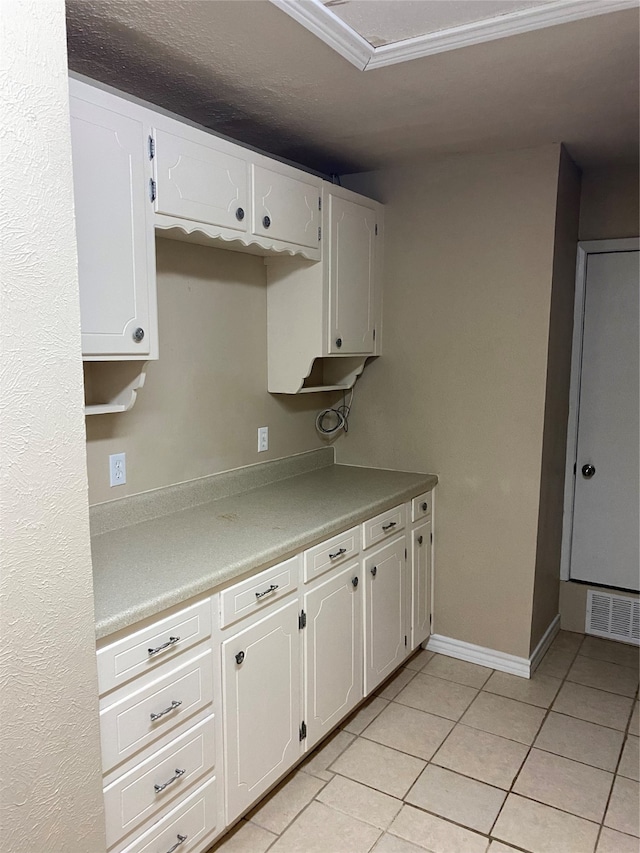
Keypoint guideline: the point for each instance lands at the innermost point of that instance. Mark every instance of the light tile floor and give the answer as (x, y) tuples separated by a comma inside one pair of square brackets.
[(450, 757)]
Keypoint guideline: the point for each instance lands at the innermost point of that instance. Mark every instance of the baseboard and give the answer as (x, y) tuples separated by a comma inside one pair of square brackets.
[(491, 658), (541, 649)]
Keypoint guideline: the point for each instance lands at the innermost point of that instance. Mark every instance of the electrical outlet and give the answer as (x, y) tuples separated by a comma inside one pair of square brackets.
[(117, 469), (263, 439)]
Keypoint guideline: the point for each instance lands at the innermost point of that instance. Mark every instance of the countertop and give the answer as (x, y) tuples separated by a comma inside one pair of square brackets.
[(145, 567)]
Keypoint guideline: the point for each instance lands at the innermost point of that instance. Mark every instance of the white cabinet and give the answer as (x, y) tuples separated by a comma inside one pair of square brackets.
[(114, 226), (332, 650), (352, 270), (286, 206), (199, 178), (420, 583), (262, 713), (385, 615), (324, 320)]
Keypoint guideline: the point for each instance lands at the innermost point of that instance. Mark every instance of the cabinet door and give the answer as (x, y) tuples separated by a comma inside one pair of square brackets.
[(420, 583), (198, 180), (385, 634), (286, 208), (114, 227), (261, 684), (333, 650), (352, 234)]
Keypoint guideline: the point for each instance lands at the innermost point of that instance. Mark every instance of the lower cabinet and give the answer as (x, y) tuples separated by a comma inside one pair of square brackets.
[(386, 642), (332, 650), (420, 583), (261, 676)]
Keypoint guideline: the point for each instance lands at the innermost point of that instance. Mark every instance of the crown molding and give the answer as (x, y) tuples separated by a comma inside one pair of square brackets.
[(327, 26)]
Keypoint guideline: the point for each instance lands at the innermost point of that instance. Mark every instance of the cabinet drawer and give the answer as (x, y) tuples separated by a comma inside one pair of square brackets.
[(186, 827), (383, 526), (144, 650), (146, 714), (333, 552), (156, 782), (251, 595), (421, 506)]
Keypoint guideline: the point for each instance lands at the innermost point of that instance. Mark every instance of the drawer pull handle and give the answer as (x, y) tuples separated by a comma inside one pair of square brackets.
[(181, 840), (420, 540), (170, 642), (389, 526), (374, 571), (338, 553), (239, 658), (175, 704), (272, 588), (166, 784), (424, 506)]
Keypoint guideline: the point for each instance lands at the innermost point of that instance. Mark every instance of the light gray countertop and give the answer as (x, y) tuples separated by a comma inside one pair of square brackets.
[(143, 568)]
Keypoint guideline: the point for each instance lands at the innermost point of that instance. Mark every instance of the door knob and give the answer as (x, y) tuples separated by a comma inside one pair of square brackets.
[(588, 471)]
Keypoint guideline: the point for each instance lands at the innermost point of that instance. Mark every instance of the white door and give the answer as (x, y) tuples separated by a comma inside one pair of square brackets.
[(352, 233), (605, 544), (262, 716), (286, 208), (114, 226), (333, 650), (420, 583), (385, 622), (197, 180)]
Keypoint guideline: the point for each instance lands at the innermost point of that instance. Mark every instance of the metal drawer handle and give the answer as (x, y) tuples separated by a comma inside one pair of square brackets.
[(420, 540), (175, 704), (170, 642), (374, 571), (272, 588), (338, 553), (166, 784), (424, 506), (391, 524), (181, 840)]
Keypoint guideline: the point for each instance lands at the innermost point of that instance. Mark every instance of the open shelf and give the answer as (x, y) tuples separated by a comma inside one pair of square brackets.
[(112, 386)]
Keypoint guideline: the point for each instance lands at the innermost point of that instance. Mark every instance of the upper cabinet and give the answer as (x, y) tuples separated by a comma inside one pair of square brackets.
[(114, 227), (324, 320), (286, 207), (199, 180)]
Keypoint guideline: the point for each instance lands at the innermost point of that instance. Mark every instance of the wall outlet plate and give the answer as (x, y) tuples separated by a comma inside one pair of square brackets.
[(117, 469), (263, 439)]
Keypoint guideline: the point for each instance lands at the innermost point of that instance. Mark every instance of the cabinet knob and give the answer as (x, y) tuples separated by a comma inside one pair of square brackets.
[(338, 342), (239, 657), (266, 221), (424, 506), (355, 582), (239, 214), (420, 540), (588, 471), (374, 571), (138, 335)]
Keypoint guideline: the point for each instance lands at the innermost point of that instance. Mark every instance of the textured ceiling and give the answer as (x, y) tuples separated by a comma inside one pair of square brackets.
[(247, 70)]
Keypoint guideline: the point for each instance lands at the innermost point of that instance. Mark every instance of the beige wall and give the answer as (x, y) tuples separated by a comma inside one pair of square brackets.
[(554, 448), (461, 387), (609, 205), (204, 399), (51, 798)]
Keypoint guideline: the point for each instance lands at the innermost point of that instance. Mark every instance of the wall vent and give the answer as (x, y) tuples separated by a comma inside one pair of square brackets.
[(614, 616)]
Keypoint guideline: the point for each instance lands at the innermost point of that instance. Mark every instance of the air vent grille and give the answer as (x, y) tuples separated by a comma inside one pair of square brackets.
[(614, 616)]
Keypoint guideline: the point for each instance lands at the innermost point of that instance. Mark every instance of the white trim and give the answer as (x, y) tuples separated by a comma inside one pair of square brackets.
[(514, 665), (585, 248), (332, 30), (329, 28)]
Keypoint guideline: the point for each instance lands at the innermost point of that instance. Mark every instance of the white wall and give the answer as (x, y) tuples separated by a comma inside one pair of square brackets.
[(51, 793)]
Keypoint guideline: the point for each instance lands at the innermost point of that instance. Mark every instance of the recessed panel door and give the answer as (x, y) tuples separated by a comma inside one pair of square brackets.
[(114, 228), (420, 583), (262, 714), (333, 650), (286, 208)]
